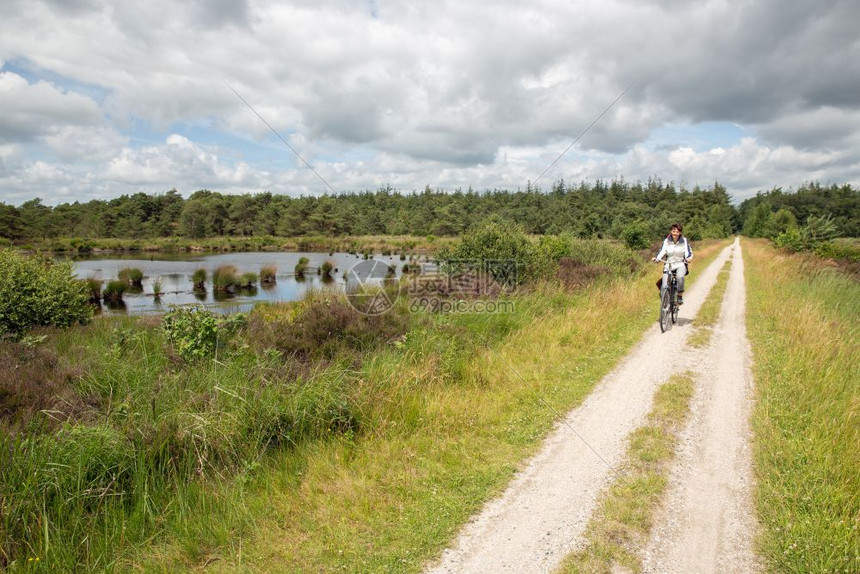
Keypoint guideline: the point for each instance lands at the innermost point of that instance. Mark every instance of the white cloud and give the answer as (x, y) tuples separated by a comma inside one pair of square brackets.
[(33, 110), (444, 93)]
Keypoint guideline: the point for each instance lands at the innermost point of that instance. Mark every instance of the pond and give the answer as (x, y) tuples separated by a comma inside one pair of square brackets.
[(175, 271)]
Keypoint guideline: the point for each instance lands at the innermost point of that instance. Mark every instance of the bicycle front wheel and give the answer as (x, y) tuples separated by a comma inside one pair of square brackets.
[(665, 310), (675, 306)]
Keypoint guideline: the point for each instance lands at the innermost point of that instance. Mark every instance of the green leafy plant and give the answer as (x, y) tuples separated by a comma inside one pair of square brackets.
[(192, 330), (197, 333), (326, 268), (37, 291), (636, 235), (493, 242)]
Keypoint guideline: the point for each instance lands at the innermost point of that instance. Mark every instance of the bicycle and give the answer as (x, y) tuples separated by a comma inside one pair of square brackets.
[(669, 300)]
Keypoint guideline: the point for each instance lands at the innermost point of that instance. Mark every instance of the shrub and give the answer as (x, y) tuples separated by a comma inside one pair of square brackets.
[(502, 250), (33, 380), (604, 253), (322, 328), (131, 275), (839, 250), (197, 333), (37, 291), (636, 235)]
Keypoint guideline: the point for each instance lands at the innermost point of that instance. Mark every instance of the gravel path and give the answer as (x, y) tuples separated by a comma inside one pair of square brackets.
[(706, 523), (542, 515)]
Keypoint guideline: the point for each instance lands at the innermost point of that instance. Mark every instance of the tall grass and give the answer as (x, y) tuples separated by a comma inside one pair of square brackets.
[(131, 275), (225, 278), (268, 274), (802, 322), (125, 471)]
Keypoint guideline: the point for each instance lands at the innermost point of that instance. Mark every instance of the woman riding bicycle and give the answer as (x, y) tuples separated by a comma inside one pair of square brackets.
[(677, 251)]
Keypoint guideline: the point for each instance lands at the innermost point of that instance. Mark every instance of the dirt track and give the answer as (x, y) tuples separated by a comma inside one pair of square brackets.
[(706, 524)]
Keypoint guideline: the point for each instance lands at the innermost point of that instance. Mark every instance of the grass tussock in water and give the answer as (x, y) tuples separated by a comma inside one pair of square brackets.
[(802, 322)]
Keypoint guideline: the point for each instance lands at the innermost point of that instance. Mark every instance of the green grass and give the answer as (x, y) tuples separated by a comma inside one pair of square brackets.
[(802, 323), (447, 421), (622, 522), (368, 448), (709, 313)]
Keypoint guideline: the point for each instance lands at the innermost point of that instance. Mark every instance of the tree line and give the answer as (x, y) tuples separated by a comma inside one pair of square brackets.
[(602, 209)]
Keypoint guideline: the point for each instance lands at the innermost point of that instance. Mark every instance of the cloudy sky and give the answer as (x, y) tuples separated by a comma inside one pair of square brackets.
[(99, 99)]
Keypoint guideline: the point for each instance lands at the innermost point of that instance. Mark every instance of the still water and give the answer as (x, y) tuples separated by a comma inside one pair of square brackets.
[(175, 272)]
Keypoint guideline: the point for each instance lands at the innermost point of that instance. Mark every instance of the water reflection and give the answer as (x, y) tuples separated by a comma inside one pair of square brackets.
[(175, 272)]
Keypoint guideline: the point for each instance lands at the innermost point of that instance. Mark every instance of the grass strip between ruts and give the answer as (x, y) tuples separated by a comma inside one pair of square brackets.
[(622, 522), (709, 313)]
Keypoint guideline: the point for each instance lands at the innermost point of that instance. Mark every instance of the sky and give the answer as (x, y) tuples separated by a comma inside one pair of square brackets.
[(100, 99)]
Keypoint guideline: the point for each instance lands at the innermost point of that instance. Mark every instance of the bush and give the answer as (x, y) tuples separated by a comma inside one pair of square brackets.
[(248, 279), (604, 253), (636, 235), (37, 291), (322, 328), (501, 250), (839, 250)]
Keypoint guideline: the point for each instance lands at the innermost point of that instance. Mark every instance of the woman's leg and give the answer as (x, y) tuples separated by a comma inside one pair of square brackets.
[(682, 271)]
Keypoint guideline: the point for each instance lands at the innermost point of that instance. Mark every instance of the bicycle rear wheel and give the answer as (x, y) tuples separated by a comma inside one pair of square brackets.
[(665, 310)]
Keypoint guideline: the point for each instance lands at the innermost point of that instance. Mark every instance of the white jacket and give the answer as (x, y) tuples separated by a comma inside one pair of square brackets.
[(675, 253)]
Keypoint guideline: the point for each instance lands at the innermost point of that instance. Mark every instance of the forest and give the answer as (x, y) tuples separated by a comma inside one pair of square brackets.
[(613, 209)]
